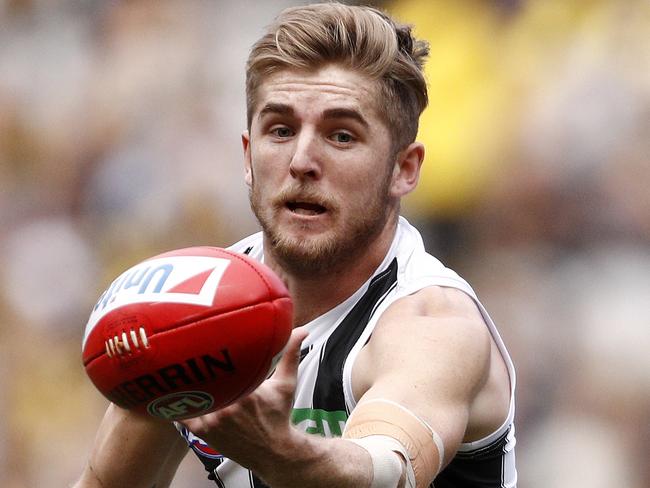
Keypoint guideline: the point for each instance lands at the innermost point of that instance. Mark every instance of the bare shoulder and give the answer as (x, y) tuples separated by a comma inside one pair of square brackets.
[(436, 301), (434, 333), (433, 351), (446, 316)]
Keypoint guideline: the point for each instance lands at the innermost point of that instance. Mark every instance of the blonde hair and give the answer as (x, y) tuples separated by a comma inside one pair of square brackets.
[(361, 38)]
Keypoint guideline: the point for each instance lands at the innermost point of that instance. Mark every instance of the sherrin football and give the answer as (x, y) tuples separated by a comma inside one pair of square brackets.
[(187, 332)]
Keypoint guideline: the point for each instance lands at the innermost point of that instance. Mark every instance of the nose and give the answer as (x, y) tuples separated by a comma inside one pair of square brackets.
[(305, 163)]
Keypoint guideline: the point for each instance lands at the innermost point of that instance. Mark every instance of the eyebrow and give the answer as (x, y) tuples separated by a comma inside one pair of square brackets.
[(345, 113), (275, 108), (331, 113)]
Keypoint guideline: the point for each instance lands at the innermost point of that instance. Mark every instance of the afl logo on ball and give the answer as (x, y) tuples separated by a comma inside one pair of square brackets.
[(181, 405)]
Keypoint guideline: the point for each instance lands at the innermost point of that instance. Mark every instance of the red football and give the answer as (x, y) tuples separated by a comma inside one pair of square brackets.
[(187, 332)]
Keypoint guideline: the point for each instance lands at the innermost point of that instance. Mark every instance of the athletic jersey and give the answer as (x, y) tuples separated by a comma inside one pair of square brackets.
[(324, 397)]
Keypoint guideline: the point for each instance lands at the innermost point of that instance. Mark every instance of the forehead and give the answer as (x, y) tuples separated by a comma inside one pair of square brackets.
[(312, 91)]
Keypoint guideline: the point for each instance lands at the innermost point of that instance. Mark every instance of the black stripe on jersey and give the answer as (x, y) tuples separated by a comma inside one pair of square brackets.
[(255, 481), (482, 468), (248, 250), (305, 351), (503, 469), (497, 444), (214, 476), (210, 466), (328, 390)]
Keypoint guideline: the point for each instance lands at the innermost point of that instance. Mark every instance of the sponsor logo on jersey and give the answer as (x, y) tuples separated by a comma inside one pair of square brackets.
[(176, 279), (321, 422), (181, 404)]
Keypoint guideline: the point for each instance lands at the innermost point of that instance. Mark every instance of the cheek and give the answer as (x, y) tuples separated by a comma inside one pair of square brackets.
[(368, 183), (267, 163), (359, 197)]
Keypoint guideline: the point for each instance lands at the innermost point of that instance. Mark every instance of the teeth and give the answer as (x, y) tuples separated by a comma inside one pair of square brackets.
[(305, 211)]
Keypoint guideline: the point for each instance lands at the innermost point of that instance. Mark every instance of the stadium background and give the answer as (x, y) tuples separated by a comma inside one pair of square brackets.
[(119, 139)]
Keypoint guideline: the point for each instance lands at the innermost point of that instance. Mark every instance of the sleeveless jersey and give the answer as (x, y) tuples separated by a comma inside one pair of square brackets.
[(324, 397)]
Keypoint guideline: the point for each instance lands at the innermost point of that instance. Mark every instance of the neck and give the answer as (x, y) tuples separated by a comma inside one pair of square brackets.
[(314, 295)]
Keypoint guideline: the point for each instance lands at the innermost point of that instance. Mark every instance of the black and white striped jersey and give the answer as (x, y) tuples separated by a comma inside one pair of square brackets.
[(324, 397)]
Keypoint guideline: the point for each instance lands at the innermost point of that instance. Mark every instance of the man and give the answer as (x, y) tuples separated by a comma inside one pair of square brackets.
[(403, 373)]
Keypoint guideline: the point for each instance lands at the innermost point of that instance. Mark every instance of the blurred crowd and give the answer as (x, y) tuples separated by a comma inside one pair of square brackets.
[(120, 127)]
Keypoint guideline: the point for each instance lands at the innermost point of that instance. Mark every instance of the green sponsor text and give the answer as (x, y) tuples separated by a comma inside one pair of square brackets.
[(317, 421)]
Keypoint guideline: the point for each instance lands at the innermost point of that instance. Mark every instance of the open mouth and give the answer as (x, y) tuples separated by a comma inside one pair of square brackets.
[(306, 208)]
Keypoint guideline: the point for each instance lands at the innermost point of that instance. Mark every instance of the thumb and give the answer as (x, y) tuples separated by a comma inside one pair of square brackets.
[(287, 368)]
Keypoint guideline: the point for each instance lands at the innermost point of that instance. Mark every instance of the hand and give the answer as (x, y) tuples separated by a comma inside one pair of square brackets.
[(256, 428)]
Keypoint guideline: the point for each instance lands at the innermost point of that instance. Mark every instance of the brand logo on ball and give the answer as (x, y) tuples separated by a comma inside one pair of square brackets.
[(176, 279), (182, 404)]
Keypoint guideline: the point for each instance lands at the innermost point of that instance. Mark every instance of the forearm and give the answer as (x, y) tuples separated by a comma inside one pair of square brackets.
[(134, 451), (316, 462)]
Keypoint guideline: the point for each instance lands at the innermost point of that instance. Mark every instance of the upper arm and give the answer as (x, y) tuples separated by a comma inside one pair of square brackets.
[(429, 352), (133, 450)]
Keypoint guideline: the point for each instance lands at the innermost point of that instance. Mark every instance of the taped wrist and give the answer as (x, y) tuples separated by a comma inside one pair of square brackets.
[(388, 461), (422, 447)]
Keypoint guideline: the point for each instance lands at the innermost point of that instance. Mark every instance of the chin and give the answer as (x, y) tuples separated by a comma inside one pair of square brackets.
[(305, 255)]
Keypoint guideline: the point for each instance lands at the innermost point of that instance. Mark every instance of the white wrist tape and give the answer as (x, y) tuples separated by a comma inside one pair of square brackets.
[(422, 448), (388, 459)]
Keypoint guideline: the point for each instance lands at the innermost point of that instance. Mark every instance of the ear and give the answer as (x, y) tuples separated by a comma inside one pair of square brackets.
[(246, 144), (406, 172)]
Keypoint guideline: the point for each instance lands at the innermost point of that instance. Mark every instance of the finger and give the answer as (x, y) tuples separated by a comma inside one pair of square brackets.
[(200, 423), (287, 368), (190, 424)]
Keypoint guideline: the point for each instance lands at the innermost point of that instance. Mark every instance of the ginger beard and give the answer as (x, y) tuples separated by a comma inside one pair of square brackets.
[(331, 250)]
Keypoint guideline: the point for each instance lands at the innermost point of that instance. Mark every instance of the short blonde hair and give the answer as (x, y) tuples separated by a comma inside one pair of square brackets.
[(361, 38)]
